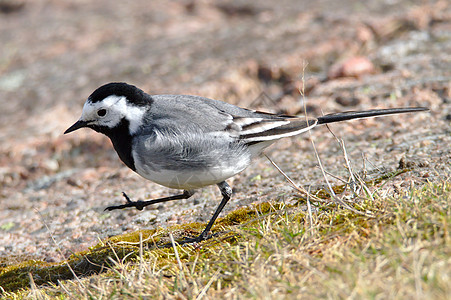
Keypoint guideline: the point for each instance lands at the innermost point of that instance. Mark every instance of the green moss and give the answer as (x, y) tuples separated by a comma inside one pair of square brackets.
[(148, 235), (17, 276), (244, 214)]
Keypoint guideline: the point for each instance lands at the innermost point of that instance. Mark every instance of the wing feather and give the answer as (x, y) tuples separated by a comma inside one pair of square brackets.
[(258, 129)]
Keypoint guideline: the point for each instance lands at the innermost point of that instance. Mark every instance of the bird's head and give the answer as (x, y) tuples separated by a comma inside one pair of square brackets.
[(112, 104)]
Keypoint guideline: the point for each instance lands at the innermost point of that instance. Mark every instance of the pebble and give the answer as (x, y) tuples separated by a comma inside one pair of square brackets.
[(353, 67), (145, 217)]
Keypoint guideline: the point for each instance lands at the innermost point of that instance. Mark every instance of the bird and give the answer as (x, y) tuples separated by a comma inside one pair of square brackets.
[(188, 142)]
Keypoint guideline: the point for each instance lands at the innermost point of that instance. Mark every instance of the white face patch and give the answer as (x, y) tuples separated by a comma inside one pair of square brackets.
[(116, 108)]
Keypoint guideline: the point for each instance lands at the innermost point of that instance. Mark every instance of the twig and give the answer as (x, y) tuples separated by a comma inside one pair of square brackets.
[(298, 188), (335, 176), (34, 288), (207, 286), (352, 181), (374, 166), (309, 208), (141, 260), (332, 193), (176, 252)]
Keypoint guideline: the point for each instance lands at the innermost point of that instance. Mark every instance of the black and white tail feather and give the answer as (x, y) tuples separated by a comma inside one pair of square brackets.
[(261, 130)]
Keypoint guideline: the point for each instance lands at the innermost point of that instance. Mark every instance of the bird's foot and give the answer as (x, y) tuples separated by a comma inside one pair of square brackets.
[(197, 239), (138, 204), (202, 237)]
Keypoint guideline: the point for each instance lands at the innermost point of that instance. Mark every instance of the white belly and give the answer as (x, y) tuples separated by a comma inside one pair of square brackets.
[(189, 161), (188, 180)]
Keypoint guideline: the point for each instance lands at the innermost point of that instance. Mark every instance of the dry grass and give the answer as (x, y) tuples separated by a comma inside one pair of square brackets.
[(402, 253)]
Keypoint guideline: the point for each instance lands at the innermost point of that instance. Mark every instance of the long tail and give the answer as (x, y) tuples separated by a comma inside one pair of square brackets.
[(349, 115)]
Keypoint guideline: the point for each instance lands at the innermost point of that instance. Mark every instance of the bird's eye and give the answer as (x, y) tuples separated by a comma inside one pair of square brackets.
[(101, 112)]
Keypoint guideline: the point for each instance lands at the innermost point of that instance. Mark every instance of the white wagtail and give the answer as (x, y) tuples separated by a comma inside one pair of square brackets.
[(188, 142)]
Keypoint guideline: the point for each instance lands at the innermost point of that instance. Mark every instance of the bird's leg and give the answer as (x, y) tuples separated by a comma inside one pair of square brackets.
[(141, 204), (226, 192)]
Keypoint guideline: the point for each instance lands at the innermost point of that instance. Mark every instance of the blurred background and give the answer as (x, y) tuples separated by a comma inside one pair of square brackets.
[(341, 55)]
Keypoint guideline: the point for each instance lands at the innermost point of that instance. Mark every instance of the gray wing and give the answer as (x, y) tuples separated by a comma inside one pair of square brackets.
[(189, 132), (181, 113)]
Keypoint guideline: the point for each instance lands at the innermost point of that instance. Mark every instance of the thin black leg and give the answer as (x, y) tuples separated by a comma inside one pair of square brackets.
[(141, 204), (226, 192)]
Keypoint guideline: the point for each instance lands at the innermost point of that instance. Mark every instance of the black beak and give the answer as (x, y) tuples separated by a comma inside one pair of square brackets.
[(79, 124)]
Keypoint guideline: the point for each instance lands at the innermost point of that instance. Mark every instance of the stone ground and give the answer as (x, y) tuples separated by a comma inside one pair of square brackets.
[(345, 55)]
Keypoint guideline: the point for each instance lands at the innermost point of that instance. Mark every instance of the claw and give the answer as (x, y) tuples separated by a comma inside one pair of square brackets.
[(202, 237), (138, 204), (126, 197)]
